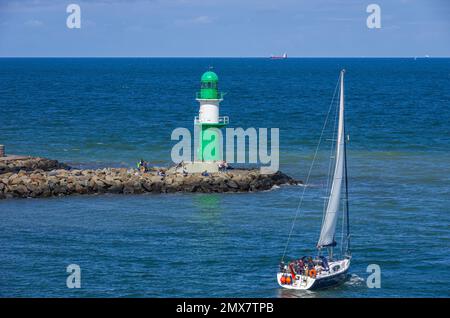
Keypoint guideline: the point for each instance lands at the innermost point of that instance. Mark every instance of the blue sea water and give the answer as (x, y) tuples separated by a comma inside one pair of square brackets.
[(111, 112)]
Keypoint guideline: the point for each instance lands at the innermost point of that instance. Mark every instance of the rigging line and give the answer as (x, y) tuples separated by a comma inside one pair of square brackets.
[(344, 210), (346, 191), (309, 172), (342, 231)]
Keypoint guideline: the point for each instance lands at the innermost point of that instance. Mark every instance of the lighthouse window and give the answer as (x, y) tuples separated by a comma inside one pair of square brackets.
[(209, 85)]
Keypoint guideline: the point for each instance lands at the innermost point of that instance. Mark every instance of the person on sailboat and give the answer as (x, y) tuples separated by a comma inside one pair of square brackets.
[(299, 267), (324, 263), (310, 263), (282, 266)]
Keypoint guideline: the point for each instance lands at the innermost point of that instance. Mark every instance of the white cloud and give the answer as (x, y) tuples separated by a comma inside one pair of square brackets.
[(34, 23), (203, 19)]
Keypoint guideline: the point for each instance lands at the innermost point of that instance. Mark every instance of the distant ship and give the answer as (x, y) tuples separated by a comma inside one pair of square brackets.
[(278, 57)]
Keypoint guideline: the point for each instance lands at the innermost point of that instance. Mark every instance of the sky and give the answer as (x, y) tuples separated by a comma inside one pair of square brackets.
[(224, 28)]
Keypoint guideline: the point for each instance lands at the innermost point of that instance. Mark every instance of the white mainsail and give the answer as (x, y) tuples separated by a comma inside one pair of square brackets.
[(331, 214)]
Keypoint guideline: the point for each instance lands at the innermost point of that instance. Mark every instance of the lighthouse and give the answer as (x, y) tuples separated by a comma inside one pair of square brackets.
[(208, 126), (208, 120)]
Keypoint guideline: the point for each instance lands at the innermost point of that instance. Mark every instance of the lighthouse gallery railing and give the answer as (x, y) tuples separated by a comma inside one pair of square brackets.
[(222, 120)]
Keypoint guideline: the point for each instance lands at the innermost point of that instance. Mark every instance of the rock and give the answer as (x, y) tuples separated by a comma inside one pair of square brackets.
[(116, 187), (17, 163), (232, 184), (21, 190)]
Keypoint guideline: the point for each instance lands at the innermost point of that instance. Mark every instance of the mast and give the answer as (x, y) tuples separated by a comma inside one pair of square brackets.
[(331, 214), (310, 169), (347, 214)]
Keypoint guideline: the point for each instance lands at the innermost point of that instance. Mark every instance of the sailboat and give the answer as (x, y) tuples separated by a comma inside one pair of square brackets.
[(326, 269)]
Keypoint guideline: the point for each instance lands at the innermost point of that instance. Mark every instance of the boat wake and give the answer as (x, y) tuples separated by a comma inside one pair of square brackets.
[(292, 293), (275, 187), (354, 280)]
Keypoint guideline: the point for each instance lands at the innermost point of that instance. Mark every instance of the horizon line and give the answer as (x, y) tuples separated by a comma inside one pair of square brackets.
[(236, 57)]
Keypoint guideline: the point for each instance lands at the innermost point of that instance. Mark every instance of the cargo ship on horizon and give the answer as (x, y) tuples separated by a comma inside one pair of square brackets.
[(279, 57)]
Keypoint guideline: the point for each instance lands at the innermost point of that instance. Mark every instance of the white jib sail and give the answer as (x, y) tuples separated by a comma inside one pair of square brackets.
[(331, 214)]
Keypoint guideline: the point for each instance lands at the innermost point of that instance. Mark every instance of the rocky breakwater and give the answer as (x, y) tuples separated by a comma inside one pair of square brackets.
[(58, 182), (25, 163)]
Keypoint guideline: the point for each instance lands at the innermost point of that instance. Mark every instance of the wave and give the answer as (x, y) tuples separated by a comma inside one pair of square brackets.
[(354, 280)]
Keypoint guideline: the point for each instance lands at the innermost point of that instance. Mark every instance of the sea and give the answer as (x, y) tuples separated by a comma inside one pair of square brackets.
[(111, 112)]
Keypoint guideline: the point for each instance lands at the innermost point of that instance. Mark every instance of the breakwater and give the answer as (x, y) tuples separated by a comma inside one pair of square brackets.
[(26, 163), (41, 177)]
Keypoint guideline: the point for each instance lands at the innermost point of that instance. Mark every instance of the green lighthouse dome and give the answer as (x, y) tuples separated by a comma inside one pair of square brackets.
[(209, 76), (209, 86)]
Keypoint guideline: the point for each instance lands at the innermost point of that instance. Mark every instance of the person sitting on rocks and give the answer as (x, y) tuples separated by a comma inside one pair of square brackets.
[(161, 173), (142, 165), (223, 165), (205, 173)]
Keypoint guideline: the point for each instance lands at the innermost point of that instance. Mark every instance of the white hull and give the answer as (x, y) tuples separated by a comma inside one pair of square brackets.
[(336, 275)]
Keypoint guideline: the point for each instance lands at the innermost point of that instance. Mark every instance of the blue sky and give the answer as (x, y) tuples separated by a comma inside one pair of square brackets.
[(228, 28)]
